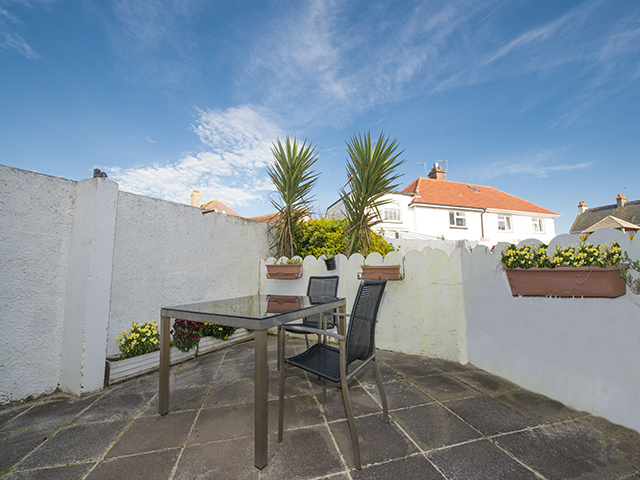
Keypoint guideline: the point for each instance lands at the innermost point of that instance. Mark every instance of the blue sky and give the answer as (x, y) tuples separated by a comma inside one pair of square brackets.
[(537, 98)]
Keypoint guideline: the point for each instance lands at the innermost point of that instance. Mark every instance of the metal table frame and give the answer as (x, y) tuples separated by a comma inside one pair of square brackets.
[(260, 326)]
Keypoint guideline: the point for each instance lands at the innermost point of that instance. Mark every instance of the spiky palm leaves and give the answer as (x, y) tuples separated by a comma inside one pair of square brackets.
[(293, 179), (371, 172)]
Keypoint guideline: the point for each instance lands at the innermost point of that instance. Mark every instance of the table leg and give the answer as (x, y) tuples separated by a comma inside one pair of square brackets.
[(342, 321), (163, 394), (261, 406)]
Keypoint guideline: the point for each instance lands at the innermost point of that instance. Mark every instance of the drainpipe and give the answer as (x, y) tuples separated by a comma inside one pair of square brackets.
[(482, 224)]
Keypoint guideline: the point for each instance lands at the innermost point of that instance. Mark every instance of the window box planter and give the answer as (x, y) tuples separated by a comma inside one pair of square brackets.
[(379, 272), (289, 271), (117, 370), (567, 282)]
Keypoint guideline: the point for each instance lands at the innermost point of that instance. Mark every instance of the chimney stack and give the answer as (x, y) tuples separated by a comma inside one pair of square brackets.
[(582, 207), (437, 173), (196, 198), (621, 200)]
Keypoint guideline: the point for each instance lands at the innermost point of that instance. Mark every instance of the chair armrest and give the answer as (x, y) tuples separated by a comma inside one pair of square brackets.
[(314, 330)]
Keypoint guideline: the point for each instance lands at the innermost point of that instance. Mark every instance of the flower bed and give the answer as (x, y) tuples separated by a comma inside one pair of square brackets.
[(139, 346)]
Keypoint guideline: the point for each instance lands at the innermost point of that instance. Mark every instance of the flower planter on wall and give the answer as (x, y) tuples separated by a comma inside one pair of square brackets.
[(123, 369), (379, 272), (289, 271), (567, 282)]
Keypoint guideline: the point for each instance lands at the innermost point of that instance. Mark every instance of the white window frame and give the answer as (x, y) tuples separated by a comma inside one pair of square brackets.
[(537, 224), (391, 210), (504, 223), (457, 219)]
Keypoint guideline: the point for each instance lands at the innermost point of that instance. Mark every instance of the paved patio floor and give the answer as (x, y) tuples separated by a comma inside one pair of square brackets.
[(448, 421)]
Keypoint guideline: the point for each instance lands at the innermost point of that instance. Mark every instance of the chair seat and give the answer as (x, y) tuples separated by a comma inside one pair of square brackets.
[(320, 359)]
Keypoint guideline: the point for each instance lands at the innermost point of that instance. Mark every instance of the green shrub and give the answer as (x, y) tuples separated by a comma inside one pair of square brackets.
[(323, 236)]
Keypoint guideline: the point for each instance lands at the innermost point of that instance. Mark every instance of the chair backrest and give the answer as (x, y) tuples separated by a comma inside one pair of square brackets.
[(323, 286), (362, 325)]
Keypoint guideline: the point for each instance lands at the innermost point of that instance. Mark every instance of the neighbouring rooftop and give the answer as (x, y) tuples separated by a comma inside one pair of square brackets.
[(448, 421)]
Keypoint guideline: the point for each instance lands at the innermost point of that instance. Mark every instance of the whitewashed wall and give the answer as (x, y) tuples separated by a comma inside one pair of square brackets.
[(582, 352), (80, 261), (422, 315), (169, 254), (36, 219)]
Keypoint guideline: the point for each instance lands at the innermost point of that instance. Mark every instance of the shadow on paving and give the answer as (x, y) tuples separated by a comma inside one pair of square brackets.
[(448, 421)]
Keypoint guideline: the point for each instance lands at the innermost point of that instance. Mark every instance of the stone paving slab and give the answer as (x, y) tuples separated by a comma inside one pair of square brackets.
[(447, 421)]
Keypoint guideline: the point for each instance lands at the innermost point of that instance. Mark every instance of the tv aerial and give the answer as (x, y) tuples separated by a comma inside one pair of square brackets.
[(424, 164)]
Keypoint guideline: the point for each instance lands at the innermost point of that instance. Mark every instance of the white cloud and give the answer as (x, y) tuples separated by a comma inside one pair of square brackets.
[(14, 41), (230, 168), (536, 164)]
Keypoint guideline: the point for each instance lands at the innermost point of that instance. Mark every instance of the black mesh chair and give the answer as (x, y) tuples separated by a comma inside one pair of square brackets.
[(318, 287), (331, 363)]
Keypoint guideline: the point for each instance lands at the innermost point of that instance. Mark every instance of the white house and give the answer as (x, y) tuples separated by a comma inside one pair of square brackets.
[(435, 208)]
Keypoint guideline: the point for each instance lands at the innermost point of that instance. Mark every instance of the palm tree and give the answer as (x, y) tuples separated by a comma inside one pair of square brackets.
[(293, 179), (371, 172)]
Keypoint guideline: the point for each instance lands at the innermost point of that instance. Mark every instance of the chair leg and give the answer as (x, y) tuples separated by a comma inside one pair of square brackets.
[(352, 424), (383, 396), (282, 368)]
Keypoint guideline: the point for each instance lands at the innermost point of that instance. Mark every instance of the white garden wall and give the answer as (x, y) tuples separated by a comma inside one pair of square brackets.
[(582, 352), (80, 261), (36, 221)]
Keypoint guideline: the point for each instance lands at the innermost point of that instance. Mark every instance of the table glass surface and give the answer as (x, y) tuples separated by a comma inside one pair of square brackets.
[(255, 307)]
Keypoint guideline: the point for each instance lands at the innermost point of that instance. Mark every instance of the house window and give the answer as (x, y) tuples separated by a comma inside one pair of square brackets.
[(538, 225), (457, 219), (504, 223), (391, 212)]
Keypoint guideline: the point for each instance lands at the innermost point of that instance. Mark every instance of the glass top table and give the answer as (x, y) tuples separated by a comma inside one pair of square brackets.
[(255, 312)]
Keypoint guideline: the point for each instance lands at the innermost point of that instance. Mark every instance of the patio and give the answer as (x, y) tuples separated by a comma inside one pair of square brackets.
[(447, 421)]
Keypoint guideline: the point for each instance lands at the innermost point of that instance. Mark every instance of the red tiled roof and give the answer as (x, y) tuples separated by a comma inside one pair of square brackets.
[(455, 194), (271, 219)]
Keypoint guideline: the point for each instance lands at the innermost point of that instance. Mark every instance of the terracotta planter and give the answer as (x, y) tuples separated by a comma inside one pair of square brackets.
[(567, 282), (284, 272), (282, 303), (379, 272)]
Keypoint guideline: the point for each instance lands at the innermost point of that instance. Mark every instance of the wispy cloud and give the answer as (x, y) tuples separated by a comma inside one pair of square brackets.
[(12, 41), (537, 164), (236, 149), (319, 67), (15, 42), (153, 39)]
